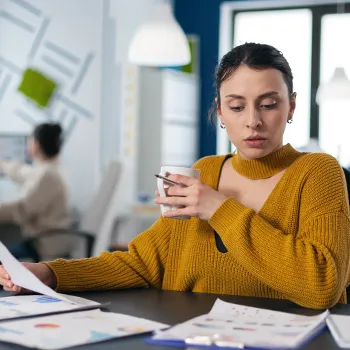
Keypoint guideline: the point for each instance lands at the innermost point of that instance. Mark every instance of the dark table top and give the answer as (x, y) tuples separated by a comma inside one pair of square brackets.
[(174, 307)]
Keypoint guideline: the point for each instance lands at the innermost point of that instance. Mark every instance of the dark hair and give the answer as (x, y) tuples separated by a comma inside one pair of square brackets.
[(49, 137), (255, 56)]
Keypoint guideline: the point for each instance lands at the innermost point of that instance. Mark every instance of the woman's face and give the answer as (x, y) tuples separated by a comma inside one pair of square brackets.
[(255, 106)]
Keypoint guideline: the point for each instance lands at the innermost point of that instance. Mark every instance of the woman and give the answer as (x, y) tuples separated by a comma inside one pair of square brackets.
[(42, 204), (268, 221)]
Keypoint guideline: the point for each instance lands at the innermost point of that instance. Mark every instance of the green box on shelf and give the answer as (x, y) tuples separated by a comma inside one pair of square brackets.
[(37, 87), (193, 66)]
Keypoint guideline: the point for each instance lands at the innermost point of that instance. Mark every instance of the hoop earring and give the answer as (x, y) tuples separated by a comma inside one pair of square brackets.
[(222, 126), (290, 121)]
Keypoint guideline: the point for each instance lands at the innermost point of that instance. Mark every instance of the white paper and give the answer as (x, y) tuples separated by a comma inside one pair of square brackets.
[(242, 312), (339, 326), (22, 277), (248, 326), (30, 305), (67, 330)]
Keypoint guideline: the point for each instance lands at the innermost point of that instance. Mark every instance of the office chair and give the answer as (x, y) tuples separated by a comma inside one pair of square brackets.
[(91, 224)]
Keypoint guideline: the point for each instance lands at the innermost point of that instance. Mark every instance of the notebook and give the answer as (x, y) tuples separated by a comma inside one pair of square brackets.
[(235, 326)]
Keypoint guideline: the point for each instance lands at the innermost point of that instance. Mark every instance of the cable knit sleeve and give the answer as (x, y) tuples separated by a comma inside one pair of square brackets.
[(142, 266), (311, 266)]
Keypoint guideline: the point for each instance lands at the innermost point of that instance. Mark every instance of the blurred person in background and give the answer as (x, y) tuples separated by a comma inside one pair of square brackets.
[(42, 204)]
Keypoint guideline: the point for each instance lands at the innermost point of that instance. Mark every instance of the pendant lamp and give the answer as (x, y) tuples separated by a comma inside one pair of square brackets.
[(338, 87), (160, 41)]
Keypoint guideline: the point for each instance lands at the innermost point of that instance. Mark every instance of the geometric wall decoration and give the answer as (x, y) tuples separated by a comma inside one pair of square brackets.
[(56, 72), (37, 87)]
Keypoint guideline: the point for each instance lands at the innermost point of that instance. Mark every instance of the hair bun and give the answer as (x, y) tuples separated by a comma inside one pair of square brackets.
[(57, 128)]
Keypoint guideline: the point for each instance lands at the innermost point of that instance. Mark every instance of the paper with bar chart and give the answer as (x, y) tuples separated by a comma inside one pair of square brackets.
[(22, 306)]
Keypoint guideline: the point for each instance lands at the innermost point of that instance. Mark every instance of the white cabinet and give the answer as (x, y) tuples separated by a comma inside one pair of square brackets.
[(168, 123)]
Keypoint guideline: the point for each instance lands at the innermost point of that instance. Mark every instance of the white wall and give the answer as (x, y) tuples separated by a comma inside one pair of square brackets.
[(104, 124), (76, 29)]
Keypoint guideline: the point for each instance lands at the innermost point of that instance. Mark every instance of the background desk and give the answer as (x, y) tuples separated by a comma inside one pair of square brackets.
[(175, 307)]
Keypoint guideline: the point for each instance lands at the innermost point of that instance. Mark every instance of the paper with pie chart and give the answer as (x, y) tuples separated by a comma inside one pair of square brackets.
[(22, 306), (55, 332)]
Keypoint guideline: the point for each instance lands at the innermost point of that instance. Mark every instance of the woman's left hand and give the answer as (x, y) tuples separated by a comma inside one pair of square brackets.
[(197, 199)]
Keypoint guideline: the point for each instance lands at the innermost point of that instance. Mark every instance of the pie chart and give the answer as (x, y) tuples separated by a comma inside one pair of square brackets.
[(46, 325), (131, 329)]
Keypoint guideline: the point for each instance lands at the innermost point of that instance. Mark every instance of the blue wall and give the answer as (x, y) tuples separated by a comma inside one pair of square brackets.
[(201, 17)]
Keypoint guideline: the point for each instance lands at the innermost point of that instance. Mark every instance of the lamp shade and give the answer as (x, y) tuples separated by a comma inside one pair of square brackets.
[(160, 41), (337, 88)]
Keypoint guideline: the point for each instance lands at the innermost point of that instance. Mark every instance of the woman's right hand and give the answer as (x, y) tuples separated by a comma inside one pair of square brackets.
[(42, 271)]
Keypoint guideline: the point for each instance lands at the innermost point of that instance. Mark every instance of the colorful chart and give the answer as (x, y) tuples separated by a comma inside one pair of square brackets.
[(131, 329), (7, 303), (45, 300), (46, 325), (209, 326), (98, 336), (7, 330)]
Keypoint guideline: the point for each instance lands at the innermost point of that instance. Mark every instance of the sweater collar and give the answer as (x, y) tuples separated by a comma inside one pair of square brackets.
[(265, 167)]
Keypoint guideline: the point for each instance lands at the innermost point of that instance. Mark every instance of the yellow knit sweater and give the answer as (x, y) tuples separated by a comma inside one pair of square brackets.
[(297, 247)]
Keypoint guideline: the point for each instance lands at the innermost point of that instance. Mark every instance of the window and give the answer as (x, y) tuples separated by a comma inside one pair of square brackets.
[(274, 28), (334, 117), (309, 33)]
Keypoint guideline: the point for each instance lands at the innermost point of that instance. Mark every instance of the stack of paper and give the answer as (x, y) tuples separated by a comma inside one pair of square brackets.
[(23, 306), (55, 331), (22, 277), (231, 325), (339, 326), (29, 305), (72, 329)]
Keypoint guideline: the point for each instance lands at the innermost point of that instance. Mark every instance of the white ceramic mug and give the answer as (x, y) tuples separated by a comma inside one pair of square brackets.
[(162, 185)]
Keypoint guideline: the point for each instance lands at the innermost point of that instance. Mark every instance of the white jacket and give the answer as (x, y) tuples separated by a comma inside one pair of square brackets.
[(43, 200)]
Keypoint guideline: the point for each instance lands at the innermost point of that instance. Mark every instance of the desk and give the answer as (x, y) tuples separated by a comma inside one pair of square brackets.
[(174, 307)]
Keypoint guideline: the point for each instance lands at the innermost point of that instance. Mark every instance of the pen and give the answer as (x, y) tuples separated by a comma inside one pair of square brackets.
[(168, 180)]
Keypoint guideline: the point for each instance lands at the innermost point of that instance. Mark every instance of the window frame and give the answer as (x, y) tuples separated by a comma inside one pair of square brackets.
[(319, 8)]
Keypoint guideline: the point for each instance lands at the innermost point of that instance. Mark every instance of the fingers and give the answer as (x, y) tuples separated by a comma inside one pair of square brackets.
[(9, 286), (185, 180), (175, 191), (183, 201), (158, 194), (6, 281), (180, 212), (3, 273), (4, 277), (14, 289), (172, 193), (165, 189), (179, 191)]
